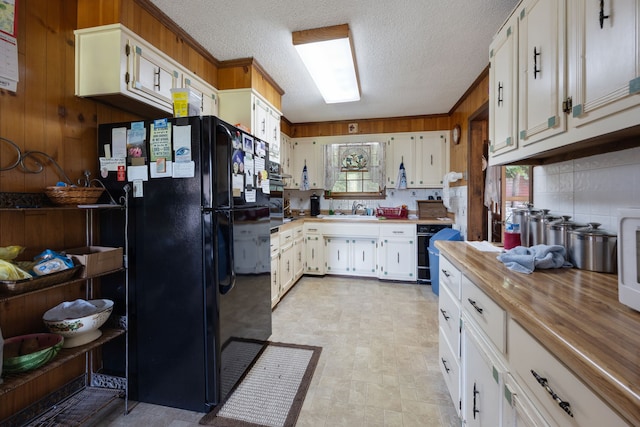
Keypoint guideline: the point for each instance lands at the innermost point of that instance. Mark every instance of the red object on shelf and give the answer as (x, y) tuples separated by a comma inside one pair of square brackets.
[(393, 212)]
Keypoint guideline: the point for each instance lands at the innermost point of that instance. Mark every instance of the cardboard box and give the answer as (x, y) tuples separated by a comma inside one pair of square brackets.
[(97, 259)]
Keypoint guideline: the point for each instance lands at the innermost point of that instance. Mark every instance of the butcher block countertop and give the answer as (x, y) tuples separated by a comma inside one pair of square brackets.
[(574, 313)]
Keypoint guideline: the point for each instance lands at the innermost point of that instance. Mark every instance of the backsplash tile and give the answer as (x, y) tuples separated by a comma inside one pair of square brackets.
[(591, 189)]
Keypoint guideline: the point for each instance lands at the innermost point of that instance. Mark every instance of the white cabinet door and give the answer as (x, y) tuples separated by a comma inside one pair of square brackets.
[(398, 258), (604, 62), (298, 258), (518, 410), (273, 127), (207, 93), (400, 149), (430, 159), (152, 74), (363, 256), (503, 85), (275, 279), (314, 256), (259, 127), (307, 152), (337, 255), (286, 268), (482, 383), (541, 59)]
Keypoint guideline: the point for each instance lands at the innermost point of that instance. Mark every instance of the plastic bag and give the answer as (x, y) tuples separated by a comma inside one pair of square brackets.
[(10, 271)]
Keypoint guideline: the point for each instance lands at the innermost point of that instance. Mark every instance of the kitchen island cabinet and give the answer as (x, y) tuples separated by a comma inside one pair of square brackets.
[(575, 317)]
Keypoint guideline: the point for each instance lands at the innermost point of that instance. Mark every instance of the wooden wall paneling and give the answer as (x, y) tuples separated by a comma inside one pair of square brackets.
[(93, 13), (372, 126), (35, 93)]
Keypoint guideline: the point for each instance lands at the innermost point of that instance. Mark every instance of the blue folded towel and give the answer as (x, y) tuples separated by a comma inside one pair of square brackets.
[(525, 260)]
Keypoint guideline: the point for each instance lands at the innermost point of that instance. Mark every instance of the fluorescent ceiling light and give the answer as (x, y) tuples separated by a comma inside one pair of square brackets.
[(328, 55)]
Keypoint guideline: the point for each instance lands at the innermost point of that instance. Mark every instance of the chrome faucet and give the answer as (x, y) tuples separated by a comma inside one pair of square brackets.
[(355, 207)]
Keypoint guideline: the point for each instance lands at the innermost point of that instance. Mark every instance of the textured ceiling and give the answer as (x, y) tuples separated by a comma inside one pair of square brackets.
[(415, 57)]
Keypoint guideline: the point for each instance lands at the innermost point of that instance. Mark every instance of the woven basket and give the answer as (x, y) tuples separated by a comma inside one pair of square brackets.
[(73, 195)]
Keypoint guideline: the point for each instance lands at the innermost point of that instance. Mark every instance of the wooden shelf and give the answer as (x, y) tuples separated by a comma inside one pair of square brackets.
[(6, 296), (13, 381)]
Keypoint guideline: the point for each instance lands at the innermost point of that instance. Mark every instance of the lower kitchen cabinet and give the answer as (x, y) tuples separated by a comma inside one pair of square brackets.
[(518, 410), (314, 253), (482, 380), (298, 252), (553, 388), (337, 255), (363, 256), (502, 376), (397, 249), (275, 269), (351, 256), (287, 277)]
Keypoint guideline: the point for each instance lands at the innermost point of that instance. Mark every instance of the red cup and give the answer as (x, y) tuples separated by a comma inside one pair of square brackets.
[(511, 240)]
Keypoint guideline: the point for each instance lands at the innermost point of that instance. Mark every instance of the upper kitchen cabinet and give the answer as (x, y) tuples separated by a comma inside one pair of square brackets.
[(424, 156), (116, 66), (604, 60), (307, 152), (503, 95), (577, 71), (207, 93), (248, 108), (541, 70), (431, 162)]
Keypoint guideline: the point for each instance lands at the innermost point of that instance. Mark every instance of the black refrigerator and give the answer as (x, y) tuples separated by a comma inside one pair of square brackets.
[(199, 293)]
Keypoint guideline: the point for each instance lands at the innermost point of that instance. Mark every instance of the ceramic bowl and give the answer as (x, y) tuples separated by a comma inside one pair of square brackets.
[(80, 330), (26, 352)]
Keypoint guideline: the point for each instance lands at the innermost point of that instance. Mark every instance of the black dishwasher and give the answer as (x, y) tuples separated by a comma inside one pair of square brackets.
[(424, 233)]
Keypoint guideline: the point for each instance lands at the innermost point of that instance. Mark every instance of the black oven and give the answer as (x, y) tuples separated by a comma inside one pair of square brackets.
[(425, 232), (276, 195)]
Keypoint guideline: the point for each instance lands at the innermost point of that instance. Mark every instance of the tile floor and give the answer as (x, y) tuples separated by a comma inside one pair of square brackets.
[(379, 363)]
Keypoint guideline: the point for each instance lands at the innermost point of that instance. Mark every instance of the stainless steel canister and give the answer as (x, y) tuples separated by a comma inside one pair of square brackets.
[(537, 227), (556, 231), (593, 249), (521, 216)]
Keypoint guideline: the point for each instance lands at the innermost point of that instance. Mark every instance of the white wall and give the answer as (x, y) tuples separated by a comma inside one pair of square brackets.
[(591, 189)]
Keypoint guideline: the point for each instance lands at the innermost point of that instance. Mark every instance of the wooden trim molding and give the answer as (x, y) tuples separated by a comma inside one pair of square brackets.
[(171, 25), (471, 88), (251, 62)]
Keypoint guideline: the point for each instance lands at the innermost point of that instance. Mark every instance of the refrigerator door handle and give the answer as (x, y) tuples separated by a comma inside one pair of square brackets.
[(230, 280)]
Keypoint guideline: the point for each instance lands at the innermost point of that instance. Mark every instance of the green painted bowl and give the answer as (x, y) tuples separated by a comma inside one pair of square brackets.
[(27, 352)]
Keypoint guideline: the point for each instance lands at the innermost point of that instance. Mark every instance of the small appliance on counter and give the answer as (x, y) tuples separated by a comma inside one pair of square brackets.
[(629, 257), (315, 204)]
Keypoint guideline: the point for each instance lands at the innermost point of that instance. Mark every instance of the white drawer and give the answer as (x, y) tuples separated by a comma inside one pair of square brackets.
[(312, 228), (286, 237), (398, 230), (297, 232), (526, 354), (449, 315), (449, 276), (487, 314), (450, 367)]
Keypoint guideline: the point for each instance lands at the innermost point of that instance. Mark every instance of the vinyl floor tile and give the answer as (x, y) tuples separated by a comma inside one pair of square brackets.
[(379, 362)]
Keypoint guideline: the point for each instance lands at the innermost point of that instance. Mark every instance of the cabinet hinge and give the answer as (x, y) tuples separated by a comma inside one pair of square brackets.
[(567, 105), (126, 77), (127, 49)]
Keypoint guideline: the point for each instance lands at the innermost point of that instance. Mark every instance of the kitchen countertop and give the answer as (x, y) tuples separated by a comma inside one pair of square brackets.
[(574, 313), (365, 221)]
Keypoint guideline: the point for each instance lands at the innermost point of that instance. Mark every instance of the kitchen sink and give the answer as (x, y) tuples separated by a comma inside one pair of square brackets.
[(351, 217)]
